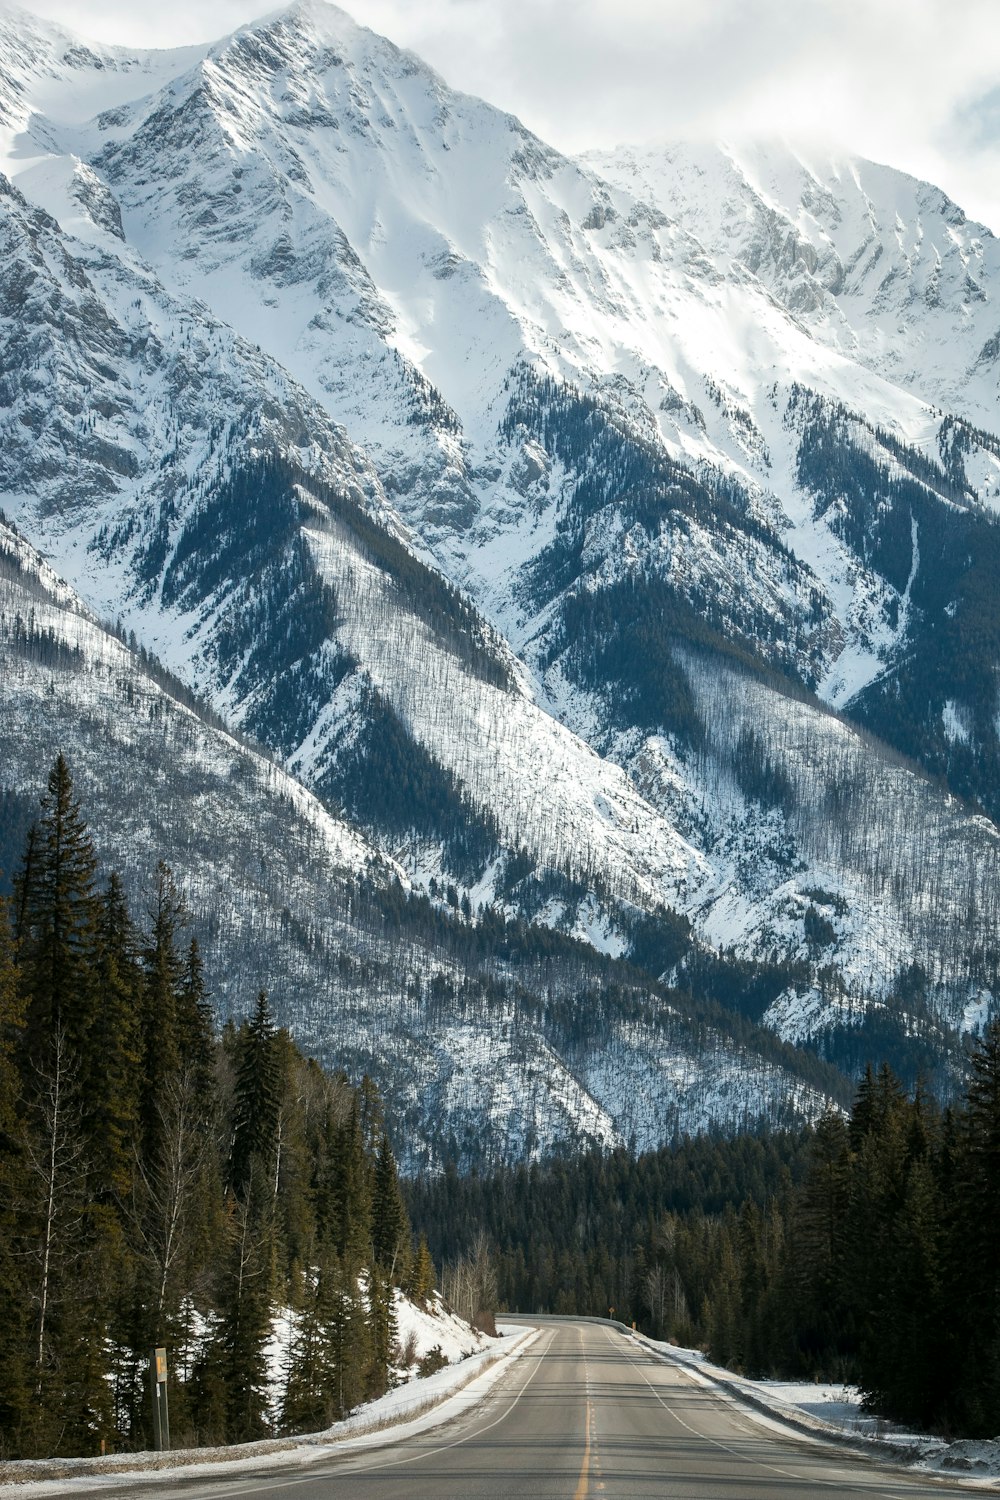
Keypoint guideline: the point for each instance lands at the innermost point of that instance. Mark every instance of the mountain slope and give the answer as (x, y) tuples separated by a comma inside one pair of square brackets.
[(488, 1047), (693, 492)]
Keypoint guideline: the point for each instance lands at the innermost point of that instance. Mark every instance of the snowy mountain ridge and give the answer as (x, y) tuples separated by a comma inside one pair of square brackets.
[(534, 512), (879, 266)]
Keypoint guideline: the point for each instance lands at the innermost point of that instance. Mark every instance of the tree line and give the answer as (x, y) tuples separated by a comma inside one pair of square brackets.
[(863, 1249), (165, 1185)]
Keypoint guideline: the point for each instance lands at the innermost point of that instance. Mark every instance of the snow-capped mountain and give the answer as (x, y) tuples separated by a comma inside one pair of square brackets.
[(566, 524)]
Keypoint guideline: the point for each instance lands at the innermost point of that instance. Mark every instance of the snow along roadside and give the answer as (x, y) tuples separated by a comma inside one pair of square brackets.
[(395, 1417), (977, 1462)]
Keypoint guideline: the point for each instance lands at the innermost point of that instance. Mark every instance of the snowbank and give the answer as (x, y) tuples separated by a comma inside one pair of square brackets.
[(423, 1329), (403, 1413), (834, 1412)]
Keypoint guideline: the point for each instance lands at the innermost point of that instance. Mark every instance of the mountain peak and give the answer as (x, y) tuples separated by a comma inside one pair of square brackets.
[(315, 24)]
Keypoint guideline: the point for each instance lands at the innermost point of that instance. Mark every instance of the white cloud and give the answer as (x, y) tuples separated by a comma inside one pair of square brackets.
[(897, 80)]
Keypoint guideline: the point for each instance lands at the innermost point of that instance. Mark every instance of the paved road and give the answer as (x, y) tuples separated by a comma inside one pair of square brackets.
[(584, 1415)]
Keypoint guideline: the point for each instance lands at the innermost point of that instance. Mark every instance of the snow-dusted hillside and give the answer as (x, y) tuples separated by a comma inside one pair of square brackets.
[(269, 581), (297, 343), (484, 1057), (260, 861)]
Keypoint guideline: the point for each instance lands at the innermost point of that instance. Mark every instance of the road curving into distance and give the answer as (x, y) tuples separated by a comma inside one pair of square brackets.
[(585, 1414)]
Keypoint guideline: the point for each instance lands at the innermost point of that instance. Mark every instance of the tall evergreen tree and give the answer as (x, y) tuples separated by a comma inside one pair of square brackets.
[(382, 1323), (331, 1354), (875, 1104), (57, 930), (232, 1403), (112, 1081), (390, 1226), (348, 1191), (306, 1404), (422, 1276), (910, 1362), (65, 1245), (257, 1103), (347, 1333), (163, 978), (823, 1321), (196, 1026)]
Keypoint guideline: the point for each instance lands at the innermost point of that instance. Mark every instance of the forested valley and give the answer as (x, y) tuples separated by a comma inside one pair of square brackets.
[(863, 1249), (163, 1185)]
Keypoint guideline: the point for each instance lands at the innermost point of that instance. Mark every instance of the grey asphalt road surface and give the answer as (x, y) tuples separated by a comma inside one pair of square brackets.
[(585, 1414)]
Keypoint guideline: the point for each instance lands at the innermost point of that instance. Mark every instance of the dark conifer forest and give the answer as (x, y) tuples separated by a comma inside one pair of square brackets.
[(161, 1185), (865, 1249)]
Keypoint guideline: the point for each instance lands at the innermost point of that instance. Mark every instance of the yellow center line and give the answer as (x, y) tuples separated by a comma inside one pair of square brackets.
[(583, 1485)]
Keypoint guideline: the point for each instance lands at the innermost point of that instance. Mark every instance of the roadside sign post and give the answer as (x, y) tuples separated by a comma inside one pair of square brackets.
[(161, 1414)]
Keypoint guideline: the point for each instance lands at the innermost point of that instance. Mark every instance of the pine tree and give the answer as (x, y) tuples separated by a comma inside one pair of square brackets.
[(257, 1103), (423, 1277), (382, 1322), (196, 1027), (230, 1402), (347, 1333), (348, 1192), (305, 1404), (246, 1321), (371, 1117), (329, 1354), (112, 1060), (722, 1313), (65, 1240), (163, 979), (58, 922), (824, 1332), (911, 1328), (878, 1097), (390, 1228)]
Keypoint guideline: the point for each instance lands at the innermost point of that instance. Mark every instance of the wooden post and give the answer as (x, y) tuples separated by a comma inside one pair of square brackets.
[(161, 1412)]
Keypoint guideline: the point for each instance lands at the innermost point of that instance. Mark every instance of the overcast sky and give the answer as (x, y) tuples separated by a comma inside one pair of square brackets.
[(915, 83)]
